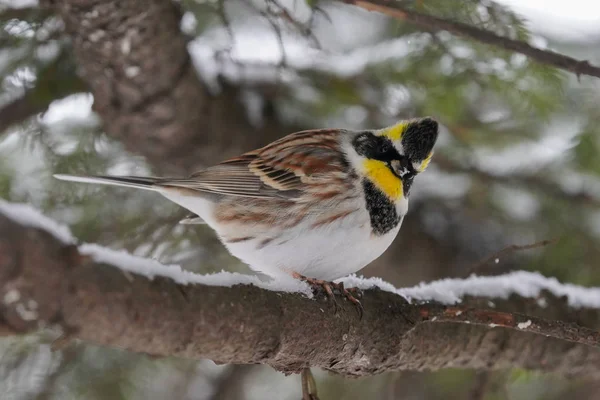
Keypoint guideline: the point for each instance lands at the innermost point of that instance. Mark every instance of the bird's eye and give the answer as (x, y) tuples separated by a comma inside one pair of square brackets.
[(384, 148)]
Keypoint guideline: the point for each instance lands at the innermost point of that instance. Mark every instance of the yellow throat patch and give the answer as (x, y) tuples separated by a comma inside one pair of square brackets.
[(384, 179)]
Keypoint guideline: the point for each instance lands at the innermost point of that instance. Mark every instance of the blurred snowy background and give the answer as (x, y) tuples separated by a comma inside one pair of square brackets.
[(517, 162)]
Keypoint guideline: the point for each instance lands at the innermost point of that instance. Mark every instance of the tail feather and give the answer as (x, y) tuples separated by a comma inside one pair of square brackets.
[(138, 182)]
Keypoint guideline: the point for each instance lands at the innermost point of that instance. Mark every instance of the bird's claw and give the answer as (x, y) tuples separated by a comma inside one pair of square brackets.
[(332, 289), (351, 295)]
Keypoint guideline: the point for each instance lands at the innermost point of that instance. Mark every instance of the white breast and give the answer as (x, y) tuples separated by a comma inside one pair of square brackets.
[(324, 253), (327, 252)]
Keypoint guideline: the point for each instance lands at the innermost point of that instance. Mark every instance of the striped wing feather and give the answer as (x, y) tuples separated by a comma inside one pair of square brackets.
[(279, 170)]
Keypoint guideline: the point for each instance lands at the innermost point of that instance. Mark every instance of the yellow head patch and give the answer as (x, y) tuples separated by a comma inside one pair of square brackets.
[(395, 132), (425, 162), (385, 180)]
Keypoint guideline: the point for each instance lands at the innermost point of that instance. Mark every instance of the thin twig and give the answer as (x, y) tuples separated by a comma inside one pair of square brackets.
[(499, 319), (548, 57), (510, 249), (309, 387), (304, 29), (480, 385), (280, 42)]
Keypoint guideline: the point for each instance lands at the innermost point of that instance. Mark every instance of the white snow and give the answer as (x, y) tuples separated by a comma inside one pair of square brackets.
[(452, 290), (259, 47), (448, 291), (26, 314), (132, 71), (524, 325), (29, 216), (542, 302), (18, 3), (572, 20), (12, 296), (74, 108), (151, 268)]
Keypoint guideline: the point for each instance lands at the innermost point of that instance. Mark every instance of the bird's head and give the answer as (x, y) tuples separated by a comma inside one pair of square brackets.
[(391, 157)]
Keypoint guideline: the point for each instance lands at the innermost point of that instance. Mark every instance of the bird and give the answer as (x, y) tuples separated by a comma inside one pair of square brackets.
[(317, 204)]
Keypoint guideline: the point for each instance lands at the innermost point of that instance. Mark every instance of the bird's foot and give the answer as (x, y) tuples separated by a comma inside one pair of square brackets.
[(351, 295), (332, 289)]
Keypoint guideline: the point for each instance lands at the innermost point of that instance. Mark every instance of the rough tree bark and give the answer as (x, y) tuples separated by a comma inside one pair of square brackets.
[(46, 283), (133, 56)]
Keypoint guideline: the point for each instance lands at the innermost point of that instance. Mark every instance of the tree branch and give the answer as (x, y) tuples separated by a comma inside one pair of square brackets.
[(399, 11), (45, 282)]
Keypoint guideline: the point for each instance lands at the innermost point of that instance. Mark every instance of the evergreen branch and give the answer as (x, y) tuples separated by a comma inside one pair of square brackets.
[(399, 11)]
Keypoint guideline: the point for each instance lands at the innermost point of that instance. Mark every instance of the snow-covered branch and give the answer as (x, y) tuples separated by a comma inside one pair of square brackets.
[(48, 280)]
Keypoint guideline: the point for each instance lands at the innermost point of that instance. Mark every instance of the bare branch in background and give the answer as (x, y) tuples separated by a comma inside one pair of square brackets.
[(508, 249), (46, 283), (399, 11)]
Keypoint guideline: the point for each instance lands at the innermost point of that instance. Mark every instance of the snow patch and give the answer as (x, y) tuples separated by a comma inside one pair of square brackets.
[(132, 71), (25, 314), (74, 109), (29, 216), (452, 290), (152, 268), (12, 296), (18, 3), (542, 302), (524, 325)]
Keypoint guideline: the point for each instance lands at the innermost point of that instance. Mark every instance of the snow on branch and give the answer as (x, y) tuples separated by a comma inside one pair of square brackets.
[(520, 319), (29, 216), (446, 291)]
